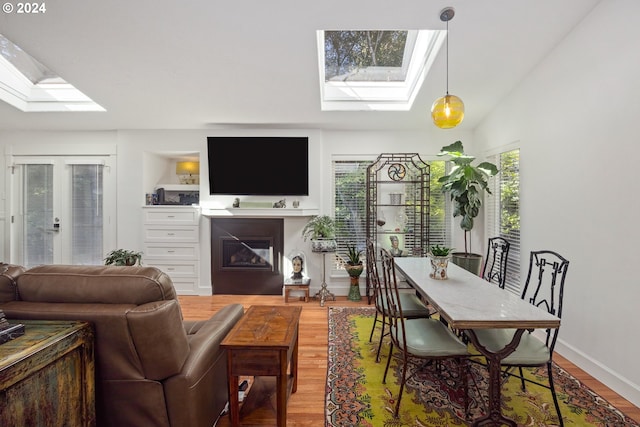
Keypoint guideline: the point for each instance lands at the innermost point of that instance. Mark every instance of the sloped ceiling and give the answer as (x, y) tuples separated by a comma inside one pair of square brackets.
[(196, 64)]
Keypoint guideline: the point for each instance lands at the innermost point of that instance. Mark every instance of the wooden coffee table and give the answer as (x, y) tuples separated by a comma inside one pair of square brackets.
[(264, 343)]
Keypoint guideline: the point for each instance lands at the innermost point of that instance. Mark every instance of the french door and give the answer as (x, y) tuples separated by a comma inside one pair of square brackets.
[(61, 210)]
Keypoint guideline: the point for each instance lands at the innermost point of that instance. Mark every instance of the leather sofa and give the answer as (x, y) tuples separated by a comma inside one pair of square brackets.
[(152, 368)]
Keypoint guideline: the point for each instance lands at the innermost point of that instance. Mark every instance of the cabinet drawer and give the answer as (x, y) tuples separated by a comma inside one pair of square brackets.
[(181, 216), (171, 251), (168, 233), (175, 269), (185, 286)]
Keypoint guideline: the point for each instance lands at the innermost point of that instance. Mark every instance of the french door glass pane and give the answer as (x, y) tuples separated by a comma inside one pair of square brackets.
[(38, 209), (87, 214)]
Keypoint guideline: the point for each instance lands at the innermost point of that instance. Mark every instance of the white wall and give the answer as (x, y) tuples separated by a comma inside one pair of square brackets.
[(574, 117)]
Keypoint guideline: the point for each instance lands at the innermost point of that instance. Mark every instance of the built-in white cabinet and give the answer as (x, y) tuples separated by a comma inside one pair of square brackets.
[(171, 243)]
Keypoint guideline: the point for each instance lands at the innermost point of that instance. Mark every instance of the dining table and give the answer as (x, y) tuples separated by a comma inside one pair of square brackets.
[(467, 302)]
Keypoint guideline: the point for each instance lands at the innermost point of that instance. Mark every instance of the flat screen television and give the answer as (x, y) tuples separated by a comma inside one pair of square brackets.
[(258, 166)]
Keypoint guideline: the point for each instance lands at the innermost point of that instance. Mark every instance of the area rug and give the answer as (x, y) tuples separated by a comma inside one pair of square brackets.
[(355, 395)]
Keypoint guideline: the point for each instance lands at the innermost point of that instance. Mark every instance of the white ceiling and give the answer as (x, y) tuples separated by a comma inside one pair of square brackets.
[(196, 64)]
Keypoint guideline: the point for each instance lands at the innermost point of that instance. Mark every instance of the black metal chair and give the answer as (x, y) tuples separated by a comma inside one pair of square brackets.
[(414, 307), (425, 339), (544, 288), (495, 265)]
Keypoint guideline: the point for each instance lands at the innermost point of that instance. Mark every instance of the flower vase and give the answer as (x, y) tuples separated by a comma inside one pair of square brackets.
[(439, 267), (354, 272)]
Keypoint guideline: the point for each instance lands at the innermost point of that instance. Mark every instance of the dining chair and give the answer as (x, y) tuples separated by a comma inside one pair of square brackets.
[(495, 265), (425, 339), (544, 288), (414, 307)]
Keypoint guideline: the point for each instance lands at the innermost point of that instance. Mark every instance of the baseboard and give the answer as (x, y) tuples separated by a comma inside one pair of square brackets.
[(600, 372)]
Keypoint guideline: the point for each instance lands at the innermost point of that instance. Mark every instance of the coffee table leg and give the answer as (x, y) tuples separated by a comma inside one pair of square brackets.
[(234, 402), (494, 415)]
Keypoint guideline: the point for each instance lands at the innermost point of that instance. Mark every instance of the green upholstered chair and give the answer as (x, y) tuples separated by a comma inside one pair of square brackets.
[(425, 339)]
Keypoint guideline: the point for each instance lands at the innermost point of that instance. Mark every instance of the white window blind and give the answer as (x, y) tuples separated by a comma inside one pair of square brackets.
[(350, 202), (439, 212), (503, 211)]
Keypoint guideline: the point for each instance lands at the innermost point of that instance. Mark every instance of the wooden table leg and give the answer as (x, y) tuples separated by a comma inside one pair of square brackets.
[(234, 402)]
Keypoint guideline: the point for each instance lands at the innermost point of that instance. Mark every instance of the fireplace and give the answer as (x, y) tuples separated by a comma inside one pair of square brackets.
[(246, 256)]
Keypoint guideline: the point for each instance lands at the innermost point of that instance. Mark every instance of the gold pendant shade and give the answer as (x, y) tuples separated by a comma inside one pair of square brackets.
[(447, 111)]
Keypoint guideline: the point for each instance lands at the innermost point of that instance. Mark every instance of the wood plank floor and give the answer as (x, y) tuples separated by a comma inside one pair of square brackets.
[(306, 406)]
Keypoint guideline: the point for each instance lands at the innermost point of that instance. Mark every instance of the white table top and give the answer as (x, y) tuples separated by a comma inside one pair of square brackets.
[(466, 301)]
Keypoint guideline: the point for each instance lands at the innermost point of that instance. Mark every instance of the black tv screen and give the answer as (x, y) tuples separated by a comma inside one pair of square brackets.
[(258, 166)]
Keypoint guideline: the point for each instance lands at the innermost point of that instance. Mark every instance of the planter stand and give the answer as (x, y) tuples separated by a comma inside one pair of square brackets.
[(323, 294)]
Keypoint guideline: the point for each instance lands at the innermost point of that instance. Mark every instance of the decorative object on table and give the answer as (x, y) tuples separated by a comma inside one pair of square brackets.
[(296, 264), (321, 229), (9, 331), (465, 185), (395, 246), (354, 268), (439, 257), (123, 257), (236, 202), (430, 396), (448, 111), (280, 204)]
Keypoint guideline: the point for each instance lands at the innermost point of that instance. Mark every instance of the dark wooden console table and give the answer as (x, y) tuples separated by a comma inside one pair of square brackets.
[(263, 343), (47, 375)]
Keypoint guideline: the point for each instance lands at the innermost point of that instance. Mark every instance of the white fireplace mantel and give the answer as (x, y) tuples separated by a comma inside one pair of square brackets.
[(258, 212)]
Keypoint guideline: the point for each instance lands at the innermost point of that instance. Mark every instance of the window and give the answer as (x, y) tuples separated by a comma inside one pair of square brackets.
[(30, 86), (503, 211), (368, 70), (350, 198)]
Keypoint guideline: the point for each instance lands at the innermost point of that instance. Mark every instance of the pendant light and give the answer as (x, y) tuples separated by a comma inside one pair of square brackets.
[(448, 111)]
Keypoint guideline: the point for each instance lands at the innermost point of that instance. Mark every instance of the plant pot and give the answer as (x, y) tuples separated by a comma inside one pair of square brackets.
[(439, 266), (323, 245), (469, 261), (354, 272)]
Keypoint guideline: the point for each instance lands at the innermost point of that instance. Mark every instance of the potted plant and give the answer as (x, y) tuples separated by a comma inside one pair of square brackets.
[(321, 229), (123, 257), (354, 269), (439, 257), (466, 184)]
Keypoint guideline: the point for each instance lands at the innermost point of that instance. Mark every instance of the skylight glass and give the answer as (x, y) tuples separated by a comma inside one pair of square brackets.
[(30, 86), (374, 69)]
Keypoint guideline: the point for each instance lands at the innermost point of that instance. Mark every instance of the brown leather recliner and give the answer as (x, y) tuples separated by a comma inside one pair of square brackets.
[(152, 368)]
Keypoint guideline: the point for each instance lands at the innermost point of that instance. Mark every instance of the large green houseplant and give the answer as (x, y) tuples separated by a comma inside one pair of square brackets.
[(321, 229), (466, 184)]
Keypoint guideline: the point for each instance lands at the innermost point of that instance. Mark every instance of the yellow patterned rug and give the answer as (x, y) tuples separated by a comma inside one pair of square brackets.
[(355, 395)]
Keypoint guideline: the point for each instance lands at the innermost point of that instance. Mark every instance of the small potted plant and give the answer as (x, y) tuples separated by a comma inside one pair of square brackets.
[(439, 257), (354, 269), (123, 257), (321, 229), (465, 184)]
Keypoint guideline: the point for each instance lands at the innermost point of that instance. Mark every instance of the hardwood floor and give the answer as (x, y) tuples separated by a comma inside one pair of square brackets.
[(306, 406)]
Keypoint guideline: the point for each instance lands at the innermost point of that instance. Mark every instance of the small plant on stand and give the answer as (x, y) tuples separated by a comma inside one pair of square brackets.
[(354, 269)]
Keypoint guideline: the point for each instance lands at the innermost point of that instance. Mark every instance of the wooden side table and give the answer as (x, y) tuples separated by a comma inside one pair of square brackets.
[(263, 343), (289, 288), (51, 356)]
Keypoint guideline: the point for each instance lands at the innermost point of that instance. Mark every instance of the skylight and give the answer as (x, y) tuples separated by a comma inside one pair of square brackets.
[(374, 70), (30, 86)]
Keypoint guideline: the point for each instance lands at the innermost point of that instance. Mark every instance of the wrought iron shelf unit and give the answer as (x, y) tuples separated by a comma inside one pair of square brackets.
[(397, 207)]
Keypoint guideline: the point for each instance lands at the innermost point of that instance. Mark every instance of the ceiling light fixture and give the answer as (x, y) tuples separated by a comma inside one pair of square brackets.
[(448, 111)]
